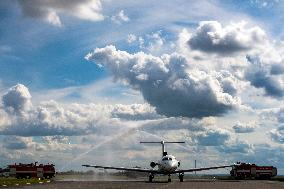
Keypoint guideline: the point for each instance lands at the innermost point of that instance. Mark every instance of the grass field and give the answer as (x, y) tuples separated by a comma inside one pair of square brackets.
[(11, 181)]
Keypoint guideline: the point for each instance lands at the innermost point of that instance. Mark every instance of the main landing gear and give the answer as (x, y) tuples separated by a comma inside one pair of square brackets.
[(151, 177), (180, 176)]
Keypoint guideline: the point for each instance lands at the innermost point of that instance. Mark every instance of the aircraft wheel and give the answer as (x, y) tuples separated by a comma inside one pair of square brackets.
[(169, 179), (181, 177)]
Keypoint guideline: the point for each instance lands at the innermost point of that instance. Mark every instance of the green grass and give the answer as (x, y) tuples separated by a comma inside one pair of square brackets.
[(11, 181)]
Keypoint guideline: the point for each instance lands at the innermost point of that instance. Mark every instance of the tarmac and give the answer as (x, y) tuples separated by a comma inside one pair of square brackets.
[(187, 184)]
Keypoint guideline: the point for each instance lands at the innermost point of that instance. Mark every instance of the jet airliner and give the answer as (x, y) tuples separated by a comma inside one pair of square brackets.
[(168, 165)]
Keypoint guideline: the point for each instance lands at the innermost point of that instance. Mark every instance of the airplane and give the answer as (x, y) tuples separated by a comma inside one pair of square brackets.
[(168, 165)]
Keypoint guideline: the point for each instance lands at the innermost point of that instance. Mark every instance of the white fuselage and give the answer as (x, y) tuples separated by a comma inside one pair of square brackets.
[(168, 164)]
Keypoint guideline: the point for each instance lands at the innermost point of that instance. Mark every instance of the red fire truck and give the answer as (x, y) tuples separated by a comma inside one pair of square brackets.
[(246, 170), (32, 170)]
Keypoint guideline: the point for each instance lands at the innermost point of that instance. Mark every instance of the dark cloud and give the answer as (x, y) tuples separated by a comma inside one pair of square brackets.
[(169, 84), (260, 77), (16, 143), (50, 10), (277, 69)]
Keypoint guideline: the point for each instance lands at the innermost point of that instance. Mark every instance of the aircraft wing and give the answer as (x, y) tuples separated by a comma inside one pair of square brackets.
[(123, 168), (200, 169)]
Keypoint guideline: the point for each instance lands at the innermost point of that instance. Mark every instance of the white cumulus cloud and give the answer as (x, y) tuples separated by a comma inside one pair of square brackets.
[(19, 117), (169, 83), (17, 99), (134, 112)]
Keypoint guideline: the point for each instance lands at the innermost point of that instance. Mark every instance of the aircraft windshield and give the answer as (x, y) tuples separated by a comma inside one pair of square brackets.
[(166, 158)]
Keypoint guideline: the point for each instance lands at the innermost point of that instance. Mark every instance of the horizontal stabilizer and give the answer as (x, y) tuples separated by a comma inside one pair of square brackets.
[(164, 153), (161, 142)]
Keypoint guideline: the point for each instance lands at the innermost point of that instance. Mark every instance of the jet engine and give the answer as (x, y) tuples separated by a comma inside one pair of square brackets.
[(153, 164)]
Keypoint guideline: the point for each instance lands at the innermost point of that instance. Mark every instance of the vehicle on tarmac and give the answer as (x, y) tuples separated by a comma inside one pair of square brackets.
[(248, 171), (32, 170)]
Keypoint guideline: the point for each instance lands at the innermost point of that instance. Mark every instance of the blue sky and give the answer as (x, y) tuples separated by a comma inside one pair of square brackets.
[(208, 72), (52, 57)]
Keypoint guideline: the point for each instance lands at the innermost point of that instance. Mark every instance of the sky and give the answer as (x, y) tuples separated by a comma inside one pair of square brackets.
[(82, 82)]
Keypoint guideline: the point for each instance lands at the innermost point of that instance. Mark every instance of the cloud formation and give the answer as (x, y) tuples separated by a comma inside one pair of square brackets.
[(239, 48), (19, 116), (267, 76), (212, 37), (280, 115), (120, 17), (244, 127), (16, 142), (50, 10), (237, 147), (212, 137), (169, 83), (51, 118), (134, 112), (131, 38), (277, 135), (17, 99)]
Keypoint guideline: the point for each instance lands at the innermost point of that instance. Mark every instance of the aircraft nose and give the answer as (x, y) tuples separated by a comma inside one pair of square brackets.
[(171, 163)]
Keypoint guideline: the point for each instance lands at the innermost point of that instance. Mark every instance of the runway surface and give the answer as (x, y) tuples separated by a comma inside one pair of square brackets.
[(190, 184)]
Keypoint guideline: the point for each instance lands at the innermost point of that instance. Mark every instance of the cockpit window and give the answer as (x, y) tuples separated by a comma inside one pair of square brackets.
[(166, 158)]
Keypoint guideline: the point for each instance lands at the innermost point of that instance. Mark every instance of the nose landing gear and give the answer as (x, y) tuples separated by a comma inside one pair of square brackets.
[(151, 177), (169, 179), (180, 176)]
